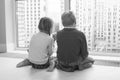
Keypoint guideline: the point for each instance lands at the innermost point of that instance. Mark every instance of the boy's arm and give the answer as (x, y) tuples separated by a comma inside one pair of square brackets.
[(84, 51)]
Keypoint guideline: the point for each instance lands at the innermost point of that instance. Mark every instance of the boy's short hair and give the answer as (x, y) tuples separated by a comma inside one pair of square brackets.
[(45, 25), (68, 18)]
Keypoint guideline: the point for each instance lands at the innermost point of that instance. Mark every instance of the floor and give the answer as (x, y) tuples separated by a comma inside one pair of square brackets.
[(8, 71)]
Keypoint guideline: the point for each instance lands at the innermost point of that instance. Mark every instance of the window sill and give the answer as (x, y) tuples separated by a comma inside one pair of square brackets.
[(96, 57), (106, 58)]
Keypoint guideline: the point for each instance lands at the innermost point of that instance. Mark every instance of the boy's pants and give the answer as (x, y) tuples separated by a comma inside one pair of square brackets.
[(80, 65)]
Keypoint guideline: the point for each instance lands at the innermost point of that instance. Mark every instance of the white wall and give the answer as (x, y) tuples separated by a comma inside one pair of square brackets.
[(7, 20), (10, 27), (2, 27)]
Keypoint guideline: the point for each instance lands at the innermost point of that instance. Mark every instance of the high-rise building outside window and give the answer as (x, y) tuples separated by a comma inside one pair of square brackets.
[(28, 14), (99, 20)]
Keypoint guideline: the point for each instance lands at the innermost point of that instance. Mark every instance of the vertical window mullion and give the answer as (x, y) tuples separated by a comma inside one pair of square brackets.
[(67, 5)]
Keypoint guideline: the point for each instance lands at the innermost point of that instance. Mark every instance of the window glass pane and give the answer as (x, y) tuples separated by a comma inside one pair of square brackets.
[(100, 21), (28, 14)]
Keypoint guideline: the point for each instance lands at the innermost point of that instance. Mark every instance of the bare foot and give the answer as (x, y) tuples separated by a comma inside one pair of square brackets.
[(51, 67), (25, 62)]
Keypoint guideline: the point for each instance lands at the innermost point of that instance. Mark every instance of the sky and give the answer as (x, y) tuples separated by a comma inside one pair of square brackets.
[(53, 10)]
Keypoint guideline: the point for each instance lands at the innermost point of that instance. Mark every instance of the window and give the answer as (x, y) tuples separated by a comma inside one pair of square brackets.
[(103, 16), (98, 19), (28, 14)]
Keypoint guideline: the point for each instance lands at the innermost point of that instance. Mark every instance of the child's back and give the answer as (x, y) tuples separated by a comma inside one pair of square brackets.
[(38, 49), (72, 50), (71, 45)]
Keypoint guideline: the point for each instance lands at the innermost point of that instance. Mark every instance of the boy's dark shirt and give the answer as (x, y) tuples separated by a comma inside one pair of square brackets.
[(72, 45)]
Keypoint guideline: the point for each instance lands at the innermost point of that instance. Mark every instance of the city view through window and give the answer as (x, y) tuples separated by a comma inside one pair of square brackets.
[(28, 14), (98, 19)]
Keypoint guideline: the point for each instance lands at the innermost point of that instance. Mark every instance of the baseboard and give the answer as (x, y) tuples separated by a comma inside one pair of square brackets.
[(14, 55)]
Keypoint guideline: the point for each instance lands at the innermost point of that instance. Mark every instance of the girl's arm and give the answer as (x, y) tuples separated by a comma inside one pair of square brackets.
[(50, 47)]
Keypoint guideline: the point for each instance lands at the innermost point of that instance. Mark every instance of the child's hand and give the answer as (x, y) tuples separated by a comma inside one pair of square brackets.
[(27, 50), (54, 36)]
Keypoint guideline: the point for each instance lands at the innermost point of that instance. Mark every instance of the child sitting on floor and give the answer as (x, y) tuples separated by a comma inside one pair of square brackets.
[(72, 53), (40, 49)]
